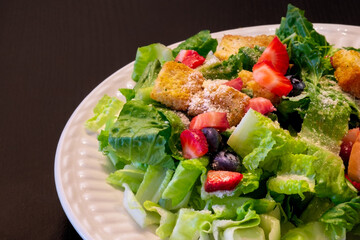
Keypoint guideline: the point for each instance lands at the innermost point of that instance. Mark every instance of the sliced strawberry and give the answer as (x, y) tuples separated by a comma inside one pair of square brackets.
[(265, 74), (190, 58), (236, 83), (347, 143), (193, 143), (276, 53), (355, 184), (261, 105), (217, 120), (222, 180)]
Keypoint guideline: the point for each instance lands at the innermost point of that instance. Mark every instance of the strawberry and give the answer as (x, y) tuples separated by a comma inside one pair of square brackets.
[(222, 180), (236, 83), (265, 74), (217, 120), (190, 58), (347, 143), (261, 105), (276, 53), (355, 184), (194, 144)]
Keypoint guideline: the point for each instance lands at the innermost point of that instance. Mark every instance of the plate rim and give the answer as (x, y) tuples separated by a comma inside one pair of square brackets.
[(66, 205)]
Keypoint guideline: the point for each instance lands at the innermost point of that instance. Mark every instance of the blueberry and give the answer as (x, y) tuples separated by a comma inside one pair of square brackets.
[(226, 161), (213, 139), (298, 86)]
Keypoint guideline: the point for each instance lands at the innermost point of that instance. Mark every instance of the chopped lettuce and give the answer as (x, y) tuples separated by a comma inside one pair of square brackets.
[(227, 69), (147, 54), (141, 135), (190, 223), (345, 215), (130, 175), (271, 227), (167, 219), (106, 109), (295, 176), (155, 181), (249, 138), (201, 42), (185, 176), (136, 210)]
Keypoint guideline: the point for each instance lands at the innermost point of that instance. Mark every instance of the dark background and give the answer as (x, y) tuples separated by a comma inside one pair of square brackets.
[(53, 53)]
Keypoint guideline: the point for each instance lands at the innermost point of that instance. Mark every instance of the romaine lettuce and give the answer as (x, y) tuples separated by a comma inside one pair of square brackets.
[(155, 181), (107, 108), (167, 219), (181, 185), (201, 42), (140, 134), (190, 223), (147, 54)]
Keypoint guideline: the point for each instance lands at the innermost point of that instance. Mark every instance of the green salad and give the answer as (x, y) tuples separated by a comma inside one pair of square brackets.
[(287, 179)]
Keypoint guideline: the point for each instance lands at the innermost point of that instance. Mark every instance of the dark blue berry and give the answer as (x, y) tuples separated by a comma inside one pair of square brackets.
[(213, 139), (226, 161), (298, 86)]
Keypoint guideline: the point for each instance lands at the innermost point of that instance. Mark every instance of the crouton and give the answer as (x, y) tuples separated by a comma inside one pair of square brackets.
[(257, 89), (230, 44), (347, 70), (175, 85), (217, 97)]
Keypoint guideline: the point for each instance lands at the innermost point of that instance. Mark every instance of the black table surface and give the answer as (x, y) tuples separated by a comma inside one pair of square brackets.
[(53, 53)]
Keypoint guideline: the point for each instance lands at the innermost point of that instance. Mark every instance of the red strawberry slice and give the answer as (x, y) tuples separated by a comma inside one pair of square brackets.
[(261, 105), (222, 180), (276, 53), (236, 83), (190, 58), (347, 143), (355, 184), (194, 144), (217, 120), (265, 74)]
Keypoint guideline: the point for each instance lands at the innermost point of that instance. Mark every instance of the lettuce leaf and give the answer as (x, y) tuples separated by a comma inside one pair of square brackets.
[(155, 180), (147, 54), (140, 134), (295, 176), (136, 210), (167, 219), (249, 141), (181, 185), (271, 227), (201, 42), (106, 109), (315, 231), (224, 207), (130, 175), (345, 215), (190, 223), (227, 69)]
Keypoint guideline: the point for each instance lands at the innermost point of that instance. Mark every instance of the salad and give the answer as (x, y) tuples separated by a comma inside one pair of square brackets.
[(260, 143)]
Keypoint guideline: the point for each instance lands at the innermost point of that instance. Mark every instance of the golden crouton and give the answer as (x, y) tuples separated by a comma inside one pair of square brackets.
[(257, 89), (347, 73), (175, 85), (217, 97), (230, 44)]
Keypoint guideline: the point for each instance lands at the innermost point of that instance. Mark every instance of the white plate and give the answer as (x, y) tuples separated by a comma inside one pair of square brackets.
[(95, 208)]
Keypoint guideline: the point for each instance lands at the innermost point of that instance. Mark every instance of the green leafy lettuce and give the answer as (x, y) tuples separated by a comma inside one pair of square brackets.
[(262, 144), (147, 54), (201, 42), (141, 134), (106, 109), (327, 111)]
